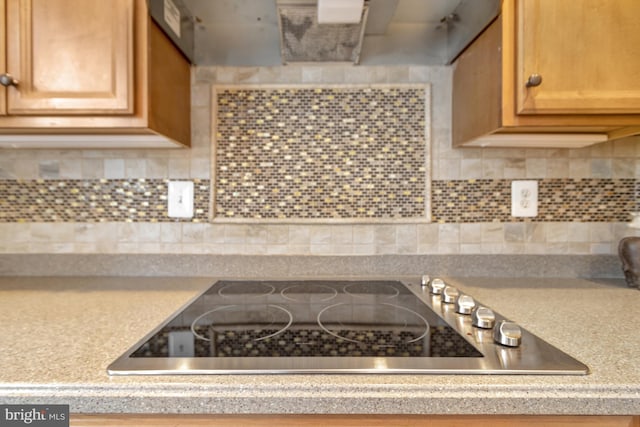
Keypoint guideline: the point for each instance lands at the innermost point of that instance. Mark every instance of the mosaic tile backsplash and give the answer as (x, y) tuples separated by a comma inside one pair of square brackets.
[(84, 221), (321, 153), (100, 200), (559, 200), (457, 201)]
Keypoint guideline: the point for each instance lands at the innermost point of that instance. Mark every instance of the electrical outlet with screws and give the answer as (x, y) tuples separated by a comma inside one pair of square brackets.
[(524, 198)]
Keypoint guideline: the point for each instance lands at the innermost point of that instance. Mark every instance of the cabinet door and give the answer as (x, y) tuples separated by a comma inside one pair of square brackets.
[(70, 56), (587, 53), (3, 63)]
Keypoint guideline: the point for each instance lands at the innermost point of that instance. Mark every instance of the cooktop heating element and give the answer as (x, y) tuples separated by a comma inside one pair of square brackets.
[(322, 326)]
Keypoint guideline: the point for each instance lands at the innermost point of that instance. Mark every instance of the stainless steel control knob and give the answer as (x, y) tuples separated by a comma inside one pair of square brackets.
[(436, 286), (7, 80), (483, 317), (450, 294), (507, 333), (465, 304), (534, 80), (425, 280)]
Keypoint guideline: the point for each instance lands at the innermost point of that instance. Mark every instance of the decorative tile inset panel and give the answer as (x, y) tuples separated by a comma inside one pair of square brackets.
[(574, 200), (321, 153), (134, 200)]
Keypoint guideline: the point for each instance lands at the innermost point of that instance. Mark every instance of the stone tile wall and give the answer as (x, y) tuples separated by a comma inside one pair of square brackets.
[(615, 164)]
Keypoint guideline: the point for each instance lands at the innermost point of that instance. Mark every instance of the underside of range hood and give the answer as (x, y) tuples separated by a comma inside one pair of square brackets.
[(266, 33), (303, 39)]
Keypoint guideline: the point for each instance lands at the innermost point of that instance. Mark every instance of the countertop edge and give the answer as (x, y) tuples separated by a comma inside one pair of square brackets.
[(383, 399)]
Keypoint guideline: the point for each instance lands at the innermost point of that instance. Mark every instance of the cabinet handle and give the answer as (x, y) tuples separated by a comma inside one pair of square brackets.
[(534, 80), (7, 80)]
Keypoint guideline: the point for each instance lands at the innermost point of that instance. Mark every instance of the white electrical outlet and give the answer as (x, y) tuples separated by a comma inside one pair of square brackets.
[(180, 199), (524, 198)]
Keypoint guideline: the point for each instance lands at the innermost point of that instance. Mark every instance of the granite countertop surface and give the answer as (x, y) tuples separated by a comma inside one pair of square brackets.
[(60, 333)]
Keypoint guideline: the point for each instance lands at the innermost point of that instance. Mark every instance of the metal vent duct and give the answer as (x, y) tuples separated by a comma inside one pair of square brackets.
[(302, 39)]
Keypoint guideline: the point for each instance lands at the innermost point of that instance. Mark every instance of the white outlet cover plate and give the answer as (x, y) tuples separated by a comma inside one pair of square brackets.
[(524, 198), (180, 199)]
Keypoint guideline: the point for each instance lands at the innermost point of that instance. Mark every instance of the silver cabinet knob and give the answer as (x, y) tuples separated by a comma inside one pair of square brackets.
[(7, 80), (464, 304), (436, 286), (483, 317), (450, 294), (534, 80), (507, 333)]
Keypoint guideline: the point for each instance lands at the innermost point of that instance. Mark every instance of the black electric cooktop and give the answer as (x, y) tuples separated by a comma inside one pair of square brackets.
[(317, 326), (311, 319)]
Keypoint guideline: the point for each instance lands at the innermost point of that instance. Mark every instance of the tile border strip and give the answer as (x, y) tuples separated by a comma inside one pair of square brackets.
[(457, 201)]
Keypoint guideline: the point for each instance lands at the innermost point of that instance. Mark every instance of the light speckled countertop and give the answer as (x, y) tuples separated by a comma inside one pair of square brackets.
[(59, 334)]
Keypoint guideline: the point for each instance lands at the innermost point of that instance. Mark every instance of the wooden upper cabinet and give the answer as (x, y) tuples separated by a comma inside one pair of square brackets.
[(90, 74), (70, 56), (587, 53)]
